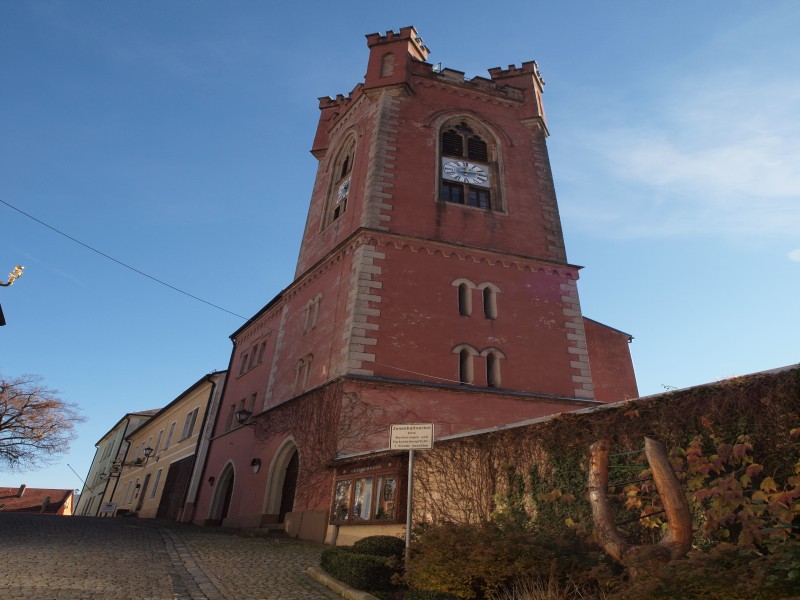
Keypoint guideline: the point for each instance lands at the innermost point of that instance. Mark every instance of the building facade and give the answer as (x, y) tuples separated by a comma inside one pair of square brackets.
[(432, 286), (166, 453), (100, 482)]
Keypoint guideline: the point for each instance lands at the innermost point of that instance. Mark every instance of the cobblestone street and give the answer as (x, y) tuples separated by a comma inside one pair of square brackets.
[(52, 557)]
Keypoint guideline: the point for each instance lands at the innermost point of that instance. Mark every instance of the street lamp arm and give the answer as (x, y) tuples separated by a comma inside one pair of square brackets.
[(15, 274)]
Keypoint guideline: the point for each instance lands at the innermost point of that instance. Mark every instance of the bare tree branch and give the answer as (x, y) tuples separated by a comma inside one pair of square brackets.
[(36, 425)]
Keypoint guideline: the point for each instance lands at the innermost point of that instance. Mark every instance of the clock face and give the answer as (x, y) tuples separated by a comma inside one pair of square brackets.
[(465, 172), (344, 190)]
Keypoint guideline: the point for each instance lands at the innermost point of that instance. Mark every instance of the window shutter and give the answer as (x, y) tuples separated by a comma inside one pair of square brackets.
[(477, 149), (452, 143)]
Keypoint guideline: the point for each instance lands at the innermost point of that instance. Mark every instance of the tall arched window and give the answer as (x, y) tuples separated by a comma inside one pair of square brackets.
[(468, 166), (464, 289), (489, 292), (465, 353), (492, 370), (493, 357), (465, 366), (312, 313), (340, 182), (464, 300), (302, 371)]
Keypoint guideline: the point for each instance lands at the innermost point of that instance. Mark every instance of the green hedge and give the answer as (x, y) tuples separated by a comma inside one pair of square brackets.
[(367, 565), (381, 545)]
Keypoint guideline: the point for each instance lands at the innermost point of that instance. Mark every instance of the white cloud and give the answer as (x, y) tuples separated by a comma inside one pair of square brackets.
[(794, 255), (712, 157)]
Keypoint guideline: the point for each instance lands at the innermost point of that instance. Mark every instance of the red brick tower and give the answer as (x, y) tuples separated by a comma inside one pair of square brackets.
[(444, 188), (432, 283)]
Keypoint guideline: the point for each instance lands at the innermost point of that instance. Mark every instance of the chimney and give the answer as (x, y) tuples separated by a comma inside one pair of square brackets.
[(21, 490)]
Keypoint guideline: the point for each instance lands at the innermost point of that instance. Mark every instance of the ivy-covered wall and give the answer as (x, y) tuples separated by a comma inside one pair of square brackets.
[(735, 445)]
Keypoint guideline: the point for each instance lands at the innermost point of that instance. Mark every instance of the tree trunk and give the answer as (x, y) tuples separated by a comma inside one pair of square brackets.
[(678, 539)]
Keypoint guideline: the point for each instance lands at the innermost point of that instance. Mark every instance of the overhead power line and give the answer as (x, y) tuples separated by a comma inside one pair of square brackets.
[(185, 293), (121, 263)]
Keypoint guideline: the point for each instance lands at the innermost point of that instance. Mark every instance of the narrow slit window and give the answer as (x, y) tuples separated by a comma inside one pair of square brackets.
[(465, 366), (464, 300), (489, 303), (492, 370)]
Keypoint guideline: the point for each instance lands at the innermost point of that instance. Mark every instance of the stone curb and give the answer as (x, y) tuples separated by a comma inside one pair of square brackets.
[(344, 590)]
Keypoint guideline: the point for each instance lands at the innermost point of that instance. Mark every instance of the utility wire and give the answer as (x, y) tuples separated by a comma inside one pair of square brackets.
[(172, 287), (119, 262)]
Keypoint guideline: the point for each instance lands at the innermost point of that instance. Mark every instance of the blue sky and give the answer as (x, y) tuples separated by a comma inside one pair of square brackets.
[(174, 136)]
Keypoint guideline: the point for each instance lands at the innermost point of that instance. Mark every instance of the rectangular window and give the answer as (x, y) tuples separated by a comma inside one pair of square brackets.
[(252, 357), (155, 484), (386, 503), (169, 435), (158, 442), (341, 500), (362, 499), (261, 351), (479, 198), (243, 368), (229, 420), (188, 424), (251, 403), (368, 494), (452, 192)]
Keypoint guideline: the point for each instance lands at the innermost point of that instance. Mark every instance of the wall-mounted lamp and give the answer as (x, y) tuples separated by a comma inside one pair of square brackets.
[(117, 467), (243, 415), (255, 464), (211, 481)]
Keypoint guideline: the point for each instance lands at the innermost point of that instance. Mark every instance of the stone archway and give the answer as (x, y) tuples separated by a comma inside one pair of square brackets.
[(221, 502), (282, 482)]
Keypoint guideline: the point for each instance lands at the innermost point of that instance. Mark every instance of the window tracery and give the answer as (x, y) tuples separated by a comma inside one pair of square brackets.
[(468, 172)]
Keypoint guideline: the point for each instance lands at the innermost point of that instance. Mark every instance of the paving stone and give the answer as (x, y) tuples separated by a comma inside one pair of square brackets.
[(82, 558)]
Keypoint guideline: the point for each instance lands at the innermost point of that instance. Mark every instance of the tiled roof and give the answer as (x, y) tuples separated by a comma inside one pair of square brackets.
[(32, 499)]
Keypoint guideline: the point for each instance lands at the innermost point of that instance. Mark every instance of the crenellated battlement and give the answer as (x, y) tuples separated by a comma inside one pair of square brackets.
[(527, 68), (477, 83), (416, 46), (340, 101)]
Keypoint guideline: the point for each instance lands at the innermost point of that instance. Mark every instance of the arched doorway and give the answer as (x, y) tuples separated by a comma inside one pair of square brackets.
[(221, 503), (289, 487), (282, 482)]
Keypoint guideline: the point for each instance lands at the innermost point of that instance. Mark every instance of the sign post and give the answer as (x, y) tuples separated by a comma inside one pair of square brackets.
[(413, 436)]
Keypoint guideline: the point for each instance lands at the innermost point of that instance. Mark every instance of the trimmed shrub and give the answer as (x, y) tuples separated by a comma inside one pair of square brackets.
[(361, 571), (380, 545), (369, 564)]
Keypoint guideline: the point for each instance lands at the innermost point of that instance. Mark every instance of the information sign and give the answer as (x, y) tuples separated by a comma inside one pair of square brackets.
[(108, 507), (412, 436)]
